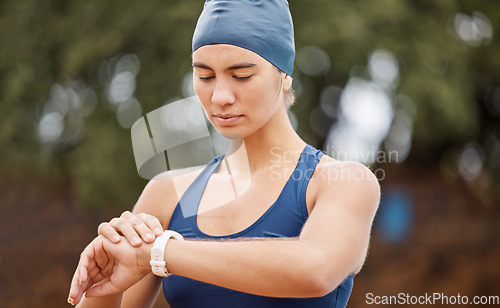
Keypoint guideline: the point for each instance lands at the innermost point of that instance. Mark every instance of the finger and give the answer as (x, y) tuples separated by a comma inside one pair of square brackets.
[(141, 228), (80, 282), (104, 264), (140, 223), (87, 266), (75, 289), (84, 262), (126, 214), (82, 274), (152, 222), (105, 229), (124, 226), (147, 226), (102, 289), (93, 260)]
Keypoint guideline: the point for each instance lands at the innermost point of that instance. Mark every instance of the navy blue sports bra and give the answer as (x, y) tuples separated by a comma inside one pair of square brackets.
[(285, 218)]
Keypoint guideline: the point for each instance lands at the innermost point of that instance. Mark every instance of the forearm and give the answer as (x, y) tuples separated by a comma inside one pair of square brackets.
[(142, 294), (268, 267), (109, 301)]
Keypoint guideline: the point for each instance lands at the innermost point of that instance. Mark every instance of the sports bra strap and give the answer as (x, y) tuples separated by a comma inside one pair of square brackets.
[(190, 199)]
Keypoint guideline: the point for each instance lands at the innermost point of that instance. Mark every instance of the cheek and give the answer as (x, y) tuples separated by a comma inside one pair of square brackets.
[(197, 86), (264, 94), (202, 91)]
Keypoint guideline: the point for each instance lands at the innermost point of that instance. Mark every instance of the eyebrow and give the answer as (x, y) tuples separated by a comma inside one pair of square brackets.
[(232, 67)]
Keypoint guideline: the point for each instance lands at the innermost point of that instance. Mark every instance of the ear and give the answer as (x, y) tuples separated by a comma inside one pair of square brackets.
[(287, 82)]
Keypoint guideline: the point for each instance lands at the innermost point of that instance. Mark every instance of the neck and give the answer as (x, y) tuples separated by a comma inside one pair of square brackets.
[(266, 146)]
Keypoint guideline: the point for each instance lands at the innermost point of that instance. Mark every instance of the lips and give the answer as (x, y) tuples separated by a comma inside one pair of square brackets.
[(226, 118), (226, 115)]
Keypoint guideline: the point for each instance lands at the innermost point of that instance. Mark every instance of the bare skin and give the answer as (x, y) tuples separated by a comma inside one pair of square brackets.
[(242, 95)]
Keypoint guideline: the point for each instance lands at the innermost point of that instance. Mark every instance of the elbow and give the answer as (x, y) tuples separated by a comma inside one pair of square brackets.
[(319, 278), (319, 285)]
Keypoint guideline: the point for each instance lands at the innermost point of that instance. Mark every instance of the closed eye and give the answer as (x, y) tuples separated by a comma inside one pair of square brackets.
[(242, 78)]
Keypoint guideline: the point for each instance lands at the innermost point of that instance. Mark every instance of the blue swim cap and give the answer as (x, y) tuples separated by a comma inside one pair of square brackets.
[(262, 26)]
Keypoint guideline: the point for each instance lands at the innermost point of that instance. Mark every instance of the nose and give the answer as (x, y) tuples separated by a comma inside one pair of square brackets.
[(222, 93)]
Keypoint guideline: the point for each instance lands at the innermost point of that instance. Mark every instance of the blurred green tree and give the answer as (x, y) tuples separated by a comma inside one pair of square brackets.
[(59, 58)]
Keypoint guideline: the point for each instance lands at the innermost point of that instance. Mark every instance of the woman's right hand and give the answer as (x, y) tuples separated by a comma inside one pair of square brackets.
[(136, 228), (106, 268)]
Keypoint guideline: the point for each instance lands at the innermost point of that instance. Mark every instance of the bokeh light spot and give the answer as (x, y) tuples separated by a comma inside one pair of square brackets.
[(122, 87), (313, 61), (365, 116), (365, 106), (473, 30), (383, 68), (329, 99), (470, 162), (51, 127)]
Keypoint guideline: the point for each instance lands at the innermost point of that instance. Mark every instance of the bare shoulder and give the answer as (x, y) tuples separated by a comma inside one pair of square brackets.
[(348, 182), (162, 193)]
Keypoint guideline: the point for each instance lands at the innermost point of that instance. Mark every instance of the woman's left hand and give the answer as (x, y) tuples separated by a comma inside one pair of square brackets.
[(106, 268), (135, 227)]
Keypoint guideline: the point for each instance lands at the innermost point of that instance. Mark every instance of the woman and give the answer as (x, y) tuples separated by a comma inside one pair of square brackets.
[(294, 227)]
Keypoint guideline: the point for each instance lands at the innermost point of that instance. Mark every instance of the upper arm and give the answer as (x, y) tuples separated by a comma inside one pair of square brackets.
[(346, 198), (158, 198), (161, 195)]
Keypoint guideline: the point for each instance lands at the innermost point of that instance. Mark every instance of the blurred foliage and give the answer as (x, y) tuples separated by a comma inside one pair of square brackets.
[(73, 47)]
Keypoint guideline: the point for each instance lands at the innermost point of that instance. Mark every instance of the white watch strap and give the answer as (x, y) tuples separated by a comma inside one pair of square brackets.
[(158, 264)]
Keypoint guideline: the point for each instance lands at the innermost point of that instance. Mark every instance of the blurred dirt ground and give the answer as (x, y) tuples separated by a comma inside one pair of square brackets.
[(454, 246)]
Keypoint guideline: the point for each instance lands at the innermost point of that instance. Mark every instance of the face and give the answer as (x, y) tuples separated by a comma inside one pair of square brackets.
[(239, 90)]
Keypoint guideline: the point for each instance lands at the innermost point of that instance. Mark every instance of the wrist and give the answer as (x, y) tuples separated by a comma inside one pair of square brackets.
[(144, 255), (158, 262)]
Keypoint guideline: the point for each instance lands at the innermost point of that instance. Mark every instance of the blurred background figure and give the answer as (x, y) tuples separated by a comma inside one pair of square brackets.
[(409, 88), (395, 216)]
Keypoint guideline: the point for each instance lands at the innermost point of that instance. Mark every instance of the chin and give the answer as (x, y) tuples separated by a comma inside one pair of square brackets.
[(229, 133), (231, 136), (235, 131), (232, 133)]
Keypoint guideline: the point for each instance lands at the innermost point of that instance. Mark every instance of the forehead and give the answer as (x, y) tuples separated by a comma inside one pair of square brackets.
[(226, 55)]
